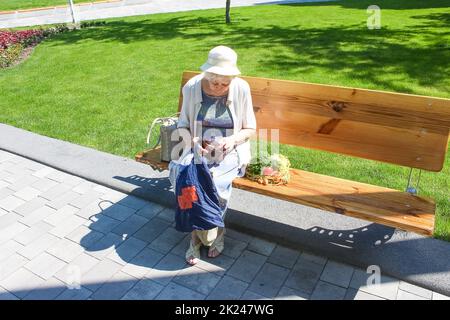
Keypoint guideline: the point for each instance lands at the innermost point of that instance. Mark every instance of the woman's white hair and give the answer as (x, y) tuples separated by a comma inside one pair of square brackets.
[(213, 76)]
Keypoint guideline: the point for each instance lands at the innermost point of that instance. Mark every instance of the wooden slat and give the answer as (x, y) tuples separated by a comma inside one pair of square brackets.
[(152, 158), (397, 128), (381, 205)]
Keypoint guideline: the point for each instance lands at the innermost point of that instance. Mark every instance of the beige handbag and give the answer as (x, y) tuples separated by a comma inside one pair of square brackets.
[(166, 126)]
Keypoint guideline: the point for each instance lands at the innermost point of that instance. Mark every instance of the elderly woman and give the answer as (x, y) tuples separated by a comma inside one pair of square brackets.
[(218, 112)]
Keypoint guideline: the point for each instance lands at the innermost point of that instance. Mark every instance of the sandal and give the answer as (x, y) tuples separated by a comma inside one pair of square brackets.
[(217, 245), (193, 253)]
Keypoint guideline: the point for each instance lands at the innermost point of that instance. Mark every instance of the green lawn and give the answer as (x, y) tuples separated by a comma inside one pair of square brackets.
[(100, 87), (6, 5)]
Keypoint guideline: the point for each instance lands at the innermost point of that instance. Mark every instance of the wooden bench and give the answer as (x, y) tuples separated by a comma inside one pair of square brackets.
[(402, 129)]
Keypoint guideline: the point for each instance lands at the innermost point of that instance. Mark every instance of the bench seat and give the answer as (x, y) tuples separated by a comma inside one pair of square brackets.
[(374, 203)]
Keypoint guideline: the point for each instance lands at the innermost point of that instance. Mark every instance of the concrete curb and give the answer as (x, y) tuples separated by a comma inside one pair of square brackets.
[(404, 255)]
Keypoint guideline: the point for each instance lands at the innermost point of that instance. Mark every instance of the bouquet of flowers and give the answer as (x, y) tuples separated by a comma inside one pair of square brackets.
[(272, 170)]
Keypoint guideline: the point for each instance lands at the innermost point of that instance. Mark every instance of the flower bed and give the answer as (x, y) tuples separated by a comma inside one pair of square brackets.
[(12, 43)]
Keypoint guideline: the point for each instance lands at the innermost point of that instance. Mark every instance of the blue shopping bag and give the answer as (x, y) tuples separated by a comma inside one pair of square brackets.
[(198, 206)]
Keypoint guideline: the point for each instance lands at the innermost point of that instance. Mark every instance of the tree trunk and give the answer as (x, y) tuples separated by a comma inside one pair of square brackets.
[(227, 12)]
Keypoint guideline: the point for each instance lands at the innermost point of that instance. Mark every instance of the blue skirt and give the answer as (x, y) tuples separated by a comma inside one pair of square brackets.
[(223, 174)]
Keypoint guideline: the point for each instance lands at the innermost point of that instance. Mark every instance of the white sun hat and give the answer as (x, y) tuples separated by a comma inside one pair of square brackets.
[(222, 60)]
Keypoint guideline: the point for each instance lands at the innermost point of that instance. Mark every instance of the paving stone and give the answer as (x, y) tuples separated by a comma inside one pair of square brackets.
[(164, 271), (85, 199), (6, 295), (174, 291), (67, 226), (102, 223), (63, 200), (438, 296), (72, 273), (116, 287), (327, 291), (249, 295), (261, 246), (41, 173), (353, 294), (99, 274), (150, 210), (228, 288), (7, 220), (61, 215), (8, 248), (21, 282), (151, 230), (337, 273), (19, 169), (403, 295), (84, 236), (233, 248), (283, 256), (118, 212), (44, 184), (167, 214), (65, 178), (45, 265), (114, 196), (387, 288), (133, 202), (197, 279), (30, 206), (269, 280), (38, 246), (130, 225), (85, 187), (10, 231), (5, 192), (145, 289), (313, 258), (94, 209), (140, 265), (99, 188), (65, 250), (286, 293), (11, 202), (127, 250), (182, 246), (304, 275), (22, 181), (32, 233), (9, 265), (103, 247), (247, 266), (48, 290), (56, 191), (237, 235), (218, 265), (27, 193), (75, 294), (167, 240), (408, 287), (37, 215)]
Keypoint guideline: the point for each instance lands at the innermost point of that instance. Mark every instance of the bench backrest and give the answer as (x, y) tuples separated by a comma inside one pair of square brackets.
[(403, 129)]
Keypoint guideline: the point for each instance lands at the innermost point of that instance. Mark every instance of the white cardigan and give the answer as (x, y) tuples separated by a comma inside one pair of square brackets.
[(239, 102)]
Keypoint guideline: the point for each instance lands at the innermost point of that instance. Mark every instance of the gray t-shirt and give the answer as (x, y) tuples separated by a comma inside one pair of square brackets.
[(215, 117)]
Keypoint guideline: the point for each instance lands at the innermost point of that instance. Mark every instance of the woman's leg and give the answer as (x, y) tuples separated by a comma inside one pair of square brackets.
[(217, 246), (193, 252)]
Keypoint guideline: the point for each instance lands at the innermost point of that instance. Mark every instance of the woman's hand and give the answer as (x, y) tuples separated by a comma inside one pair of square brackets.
[(227, 144), (197, 147)]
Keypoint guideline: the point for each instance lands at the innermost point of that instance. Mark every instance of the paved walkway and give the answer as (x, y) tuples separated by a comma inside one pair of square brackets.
[(63, 237), (122, 9)]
